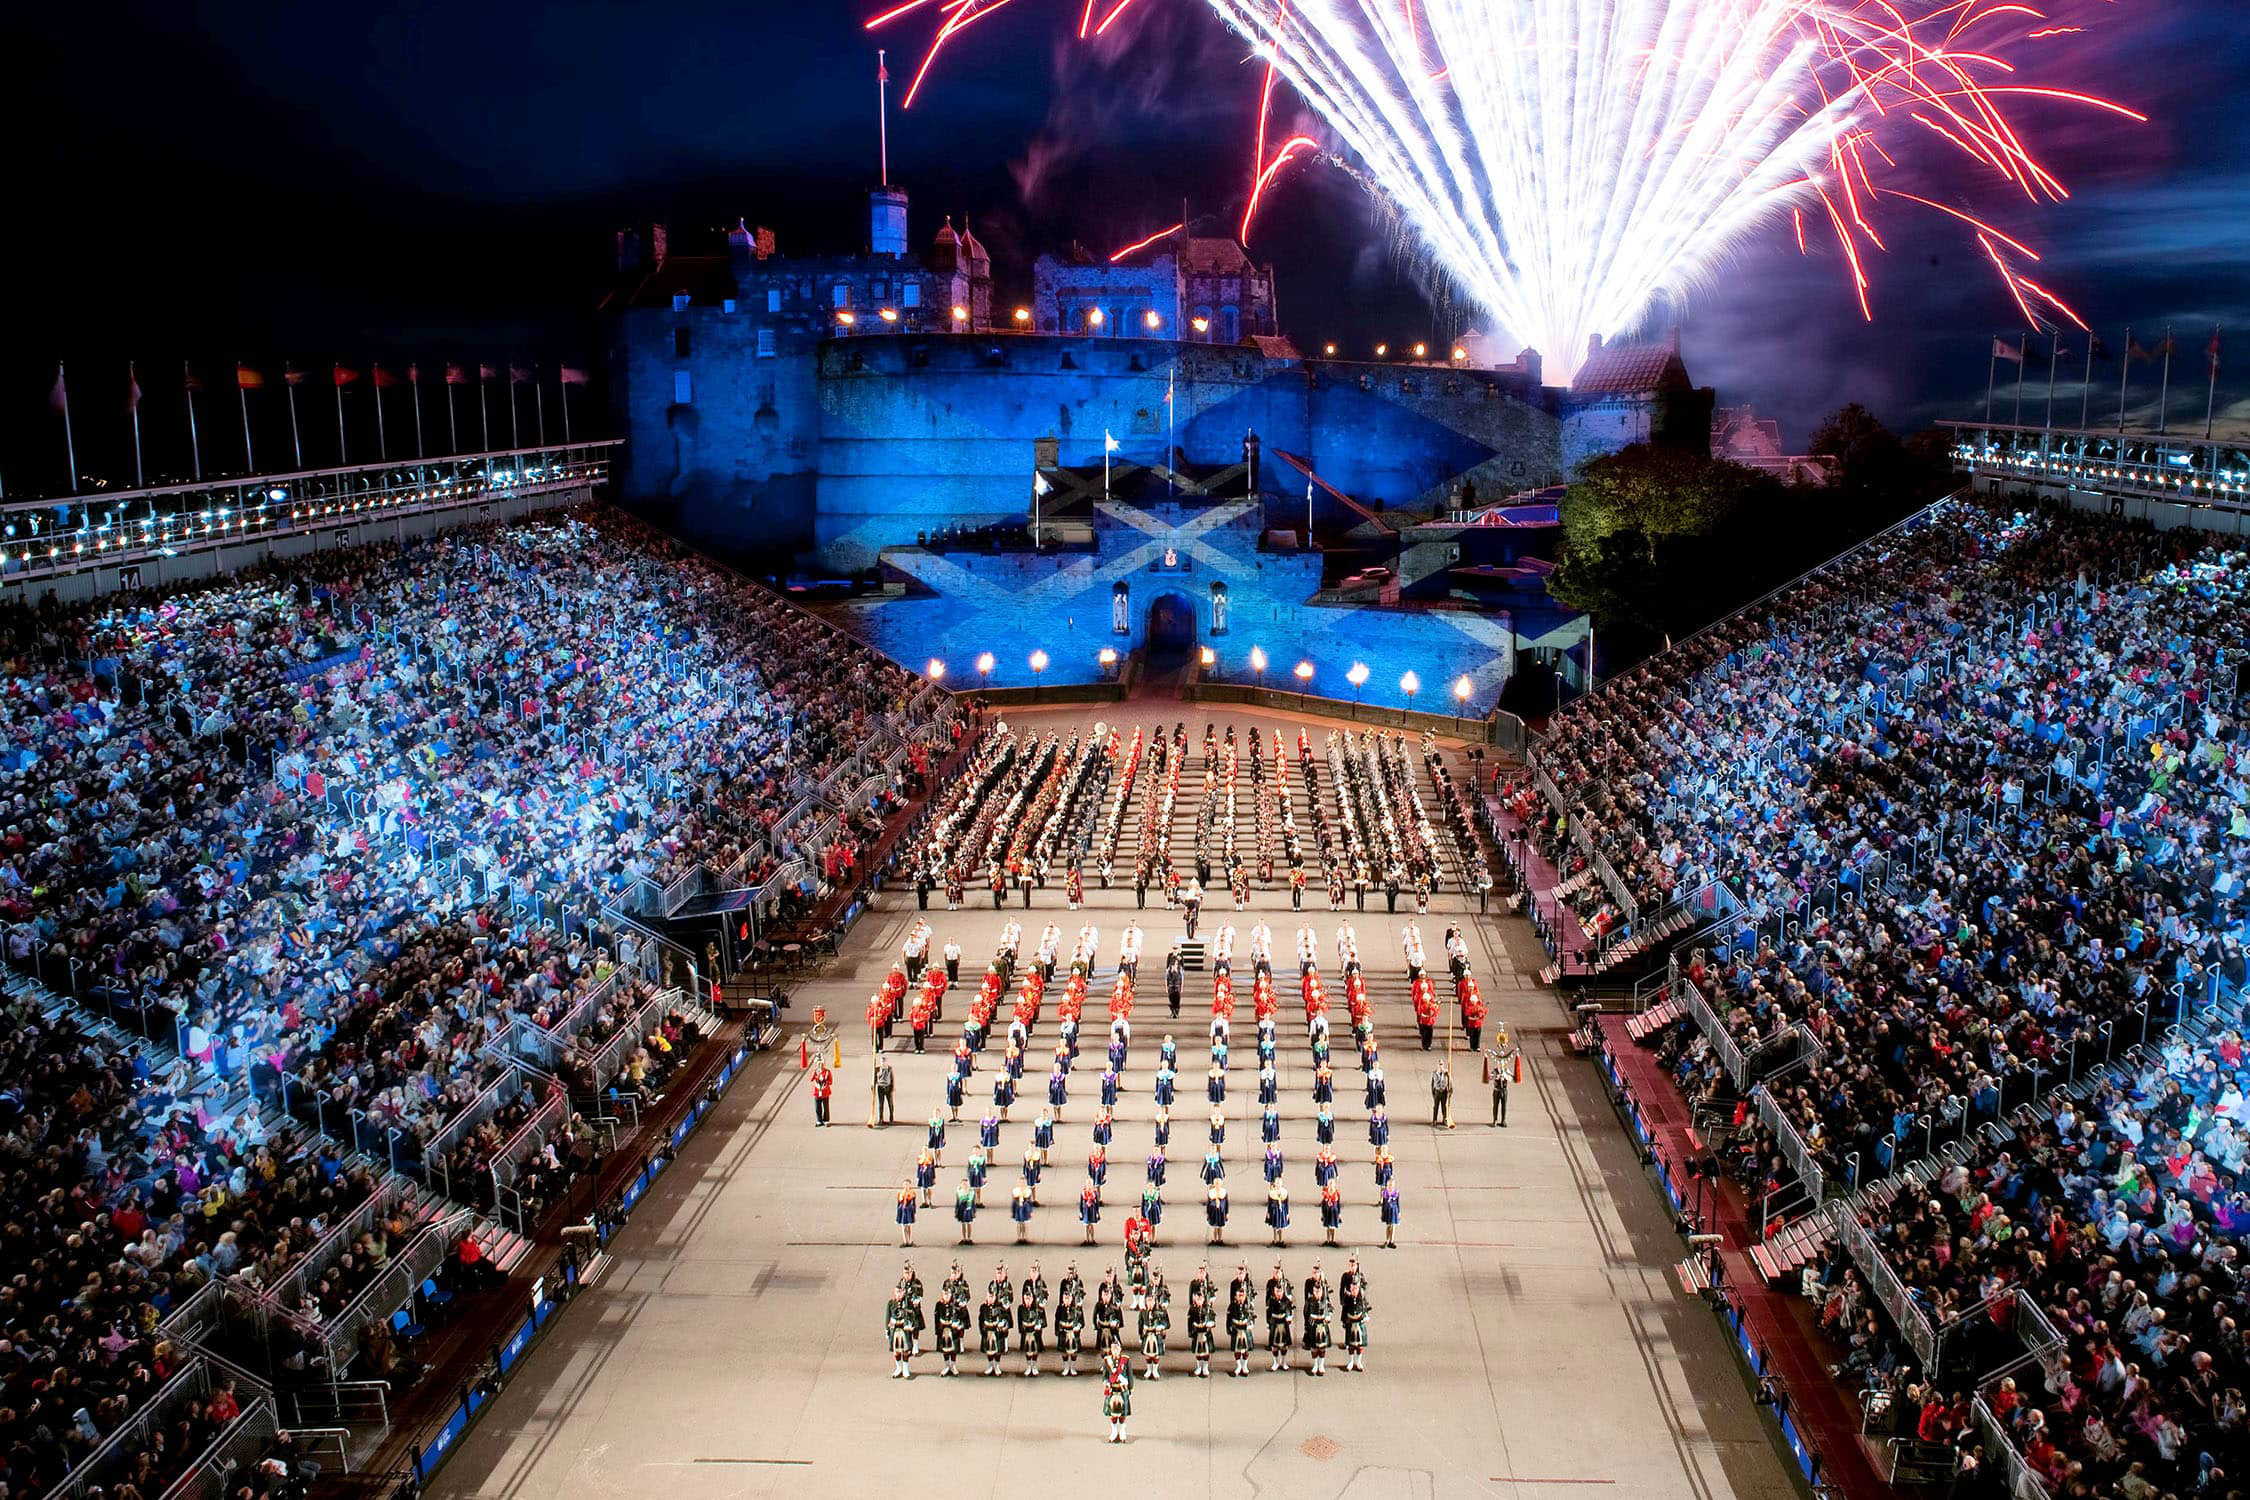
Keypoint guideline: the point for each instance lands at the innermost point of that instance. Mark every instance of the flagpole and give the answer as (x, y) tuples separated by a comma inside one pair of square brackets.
[(2054, 357), (414, 380), (343, 450), (382, 442), (296, 438), (242, 398), (2211, 392), (1991, 376), (2124, 374), (70, 444), (452, 426), (2086, 386), (195, 444), (2164, 391), (484, 407), (133, 383), (539, 407), (2023, 352), (563, 395), (883, 115), (515, 423)]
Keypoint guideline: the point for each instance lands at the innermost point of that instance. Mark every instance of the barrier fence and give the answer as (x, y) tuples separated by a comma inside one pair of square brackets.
[(1792, 1142), (508, 1162), (2022, 1481), (435, 1152), (112, 1456), (393, 1195), (1723, 1044), (414, 1263), (1883, 1280), (246, 1439)]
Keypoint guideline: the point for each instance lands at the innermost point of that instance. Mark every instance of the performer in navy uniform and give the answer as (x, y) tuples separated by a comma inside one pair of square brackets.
[(1390, 1218), (1351, 1294), (1277, 1211)]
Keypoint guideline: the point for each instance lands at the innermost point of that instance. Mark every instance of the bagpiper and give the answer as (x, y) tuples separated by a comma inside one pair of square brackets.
[(1238, 1329), (1281, 1312), (952, 1325), (992, 1323), (900, 1334), (1316, 1320), (1070, 1322), (1351, 1295), (1156, 1322), (1109, 1317), (1031, 1329), (910, 1292), (1200, 1322)]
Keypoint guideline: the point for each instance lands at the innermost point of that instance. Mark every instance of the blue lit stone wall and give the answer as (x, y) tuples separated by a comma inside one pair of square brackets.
[(843, 446)]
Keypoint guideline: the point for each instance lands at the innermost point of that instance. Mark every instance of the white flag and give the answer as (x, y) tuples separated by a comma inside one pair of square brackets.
[(1040, 486), (1109, 444)]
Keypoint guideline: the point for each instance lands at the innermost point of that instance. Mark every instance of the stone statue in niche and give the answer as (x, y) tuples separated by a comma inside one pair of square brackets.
[(1120, 608), (1218, 609)]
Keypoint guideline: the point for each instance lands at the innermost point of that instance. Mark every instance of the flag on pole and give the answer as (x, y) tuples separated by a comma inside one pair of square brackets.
[(187, 378), (345, 375), (291, 375), (2097, 349), (572, 376), (246, 378), (2134, 353), (2002, 349), (487, 372), (455, 375), (1109, 443), (59, 396), (413, 374), (384, 379), (1040, 486), (2212, 351), (518, 374), (132, 389)]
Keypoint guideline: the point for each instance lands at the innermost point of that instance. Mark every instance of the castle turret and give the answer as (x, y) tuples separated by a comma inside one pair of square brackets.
[(886, 221)]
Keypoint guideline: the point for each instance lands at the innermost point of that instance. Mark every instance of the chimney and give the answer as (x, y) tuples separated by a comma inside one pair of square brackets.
[(1593, 345), (628, 250), (656, 247)]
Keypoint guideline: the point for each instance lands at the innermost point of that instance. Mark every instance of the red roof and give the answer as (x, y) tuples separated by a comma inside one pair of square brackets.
[(1632, 369)]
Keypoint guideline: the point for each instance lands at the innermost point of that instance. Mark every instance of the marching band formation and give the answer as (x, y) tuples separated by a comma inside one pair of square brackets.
[(1139, 1305), (1030, 812)]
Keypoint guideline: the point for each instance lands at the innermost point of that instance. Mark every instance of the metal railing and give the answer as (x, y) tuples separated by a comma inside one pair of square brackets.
[(191, 1384), (2022, 1481), (421, 1258), (439, 1147), (245, 1439), (391, 1195), (1723, 1045), (1794, 1151), (508, 1162), (1890, 1290)]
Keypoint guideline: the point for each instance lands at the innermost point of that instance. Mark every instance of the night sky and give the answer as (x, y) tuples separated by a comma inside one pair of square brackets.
[(423, 180)]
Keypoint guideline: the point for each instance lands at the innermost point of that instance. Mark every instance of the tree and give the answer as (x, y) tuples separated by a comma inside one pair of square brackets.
[(1874, 464), (1626, 524)]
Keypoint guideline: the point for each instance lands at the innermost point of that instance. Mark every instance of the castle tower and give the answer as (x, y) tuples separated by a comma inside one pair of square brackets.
[(886, 221)]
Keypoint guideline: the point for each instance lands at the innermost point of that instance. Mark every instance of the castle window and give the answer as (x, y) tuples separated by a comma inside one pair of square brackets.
[(910, 295), (727, 305), (843, 294), (680, 343), (773, 299), (765, 343), (683, 388), (1230, 324), (679, 301)]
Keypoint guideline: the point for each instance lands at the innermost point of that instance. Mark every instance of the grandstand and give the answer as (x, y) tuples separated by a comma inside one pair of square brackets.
[(1962, 1043), (333, 984)]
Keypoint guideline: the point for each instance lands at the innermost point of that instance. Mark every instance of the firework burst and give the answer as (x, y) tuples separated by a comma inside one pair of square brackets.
[(1564, 163)]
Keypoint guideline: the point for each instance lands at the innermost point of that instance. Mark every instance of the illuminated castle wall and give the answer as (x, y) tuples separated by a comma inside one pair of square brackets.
[(835, 405)]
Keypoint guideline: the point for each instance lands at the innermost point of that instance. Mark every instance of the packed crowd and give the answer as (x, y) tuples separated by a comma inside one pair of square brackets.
[(1983, 792), (285, 822)]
